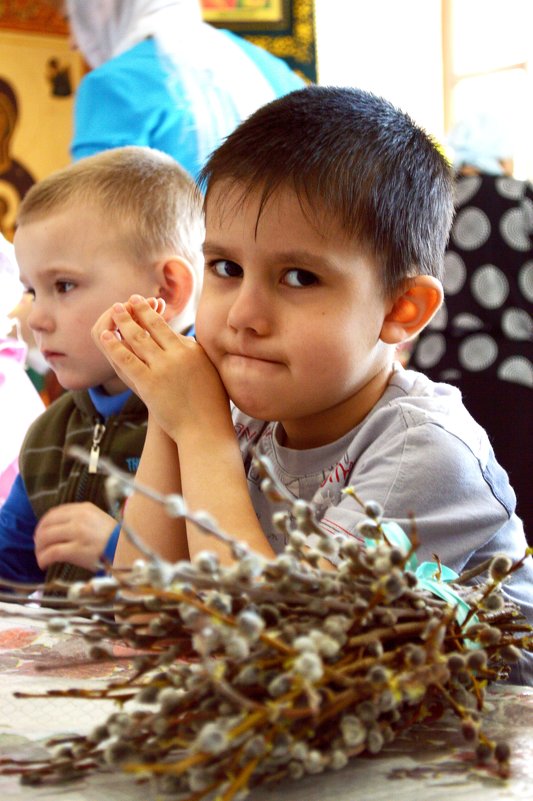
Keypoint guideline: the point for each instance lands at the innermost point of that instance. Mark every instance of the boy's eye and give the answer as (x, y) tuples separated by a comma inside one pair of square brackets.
[(226, 269), (29, 291), (64, 286), (299, 278)]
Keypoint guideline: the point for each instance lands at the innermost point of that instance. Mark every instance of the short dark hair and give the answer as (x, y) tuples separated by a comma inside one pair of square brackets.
[(357, 159)]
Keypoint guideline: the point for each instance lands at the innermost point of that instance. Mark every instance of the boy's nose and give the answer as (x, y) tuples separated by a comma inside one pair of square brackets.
[(251, 309), (39, 319)]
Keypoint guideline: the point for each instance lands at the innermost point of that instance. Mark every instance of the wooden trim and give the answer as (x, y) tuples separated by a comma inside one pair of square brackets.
[(32, 16), (448, 78)]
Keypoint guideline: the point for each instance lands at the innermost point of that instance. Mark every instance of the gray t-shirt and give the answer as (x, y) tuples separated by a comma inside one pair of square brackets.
[(418, 452)]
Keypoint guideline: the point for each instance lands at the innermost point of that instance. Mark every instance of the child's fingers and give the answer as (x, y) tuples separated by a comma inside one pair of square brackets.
[(148, 318), (157, 304), (134, 332), (50, 542), (137, 358), (126, 358), (104, 323)]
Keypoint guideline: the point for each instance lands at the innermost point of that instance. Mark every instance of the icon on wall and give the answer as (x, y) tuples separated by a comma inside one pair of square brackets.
[(15, 178)]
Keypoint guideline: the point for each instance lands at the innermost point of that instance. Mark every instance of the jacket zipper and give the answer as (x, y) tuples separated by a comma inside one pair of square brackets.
[(94, 456)]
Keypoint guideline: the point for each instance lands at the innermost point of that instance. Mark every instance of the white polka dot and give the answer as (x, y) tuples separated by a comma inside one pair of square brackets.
[(430, 350), (466, 188), (466, 322), (516, 324), (471, 228), (440, 320), (512, 229), (517, 369), (454, 273), (525, 280), (489, 286), (478, 352), (509, 188)]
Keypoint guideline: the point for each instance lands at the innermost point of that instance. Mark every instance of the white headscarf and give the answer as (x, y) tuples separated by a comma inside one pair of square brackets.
[(105, 28), (11, 289), (481, 140), (223, 85)]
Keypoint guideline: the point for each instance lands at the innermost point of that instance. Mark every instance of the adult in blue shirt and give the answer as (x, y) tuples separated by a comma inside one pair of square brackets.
[(163, 78)]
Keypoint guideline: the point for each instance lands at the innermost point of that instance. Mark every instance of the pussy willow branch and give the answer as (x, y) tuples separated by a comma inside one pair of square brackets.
[(174, 504)]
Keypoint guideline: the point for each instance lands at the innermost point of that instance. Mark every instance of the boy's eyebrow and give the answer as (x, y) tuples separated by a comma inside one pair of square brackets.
[(51, 272), (304, 257), (295, 257), (214, 246)]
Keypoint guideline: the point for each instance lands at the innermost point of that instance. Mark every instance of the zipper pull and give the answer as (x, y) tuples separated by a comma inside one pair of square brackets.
[(98, 433)]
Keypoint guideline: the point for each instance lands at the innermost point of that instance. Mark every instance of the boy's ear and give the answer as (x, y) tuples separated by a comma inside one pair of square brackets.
[(176, 285), (412, 310)]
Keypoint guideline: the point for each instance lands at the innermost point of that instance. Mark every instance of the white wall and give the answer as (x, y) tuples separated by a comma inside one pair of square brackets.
[(390, 47)]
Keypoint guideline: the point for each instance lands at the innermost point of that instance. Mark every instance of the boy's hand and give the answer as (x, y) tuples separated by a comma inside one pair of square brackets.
[(106, 322), (169, 372), (73, 532)]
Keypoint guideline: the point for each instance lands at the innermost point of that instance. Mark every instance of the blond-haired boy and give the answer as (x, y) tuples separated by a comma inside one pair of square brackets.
[(127, 220)]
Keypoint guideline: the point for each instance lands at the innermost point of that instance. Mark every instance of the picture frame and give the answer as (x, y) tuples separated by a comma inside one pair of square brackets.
[(288, 34), (246, 15)]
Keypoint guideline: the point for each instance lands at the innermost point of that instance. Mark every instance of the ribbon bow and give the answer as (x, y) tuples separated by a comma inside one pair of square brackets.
[(431, 576)]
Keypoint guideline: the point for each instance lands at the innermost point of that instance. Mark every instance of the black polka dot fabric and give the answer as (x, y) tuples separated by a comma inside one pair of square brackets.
[(481, 340)]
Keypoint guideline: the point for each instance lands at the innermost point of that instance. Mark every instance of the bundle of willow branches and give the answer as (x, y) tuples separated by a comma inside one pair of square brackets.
[(273, 669)]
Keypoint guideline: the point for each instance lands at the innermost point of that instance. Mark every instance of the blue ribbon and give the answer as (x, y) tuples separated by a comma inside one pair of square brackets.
[(431, 576)]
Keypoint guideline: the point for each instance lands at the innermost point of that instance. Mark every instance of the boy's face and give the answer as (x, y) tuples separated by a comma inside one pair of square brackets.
[(291, 317), (75, 266)]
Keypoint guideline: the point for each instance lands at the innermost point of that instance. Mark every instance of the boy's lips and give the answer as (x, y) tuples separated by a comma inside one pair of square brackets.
[(50, 355), (248, 365), (255, 357)]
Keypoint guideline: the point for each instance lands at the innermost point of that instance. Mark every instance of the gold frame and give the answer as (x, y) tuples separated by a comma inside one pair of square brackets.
[(271, 15)]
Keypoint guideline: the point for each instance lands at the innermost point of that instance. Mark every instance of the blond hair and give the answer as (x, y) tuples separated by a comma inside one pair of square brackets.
[(141, 190)]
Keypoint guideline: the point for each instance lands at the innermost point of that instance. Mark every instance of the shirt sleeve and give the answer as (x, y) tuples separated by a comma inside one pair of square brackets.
[(17, 527), (111, 546), (454, 498), (433, 484)]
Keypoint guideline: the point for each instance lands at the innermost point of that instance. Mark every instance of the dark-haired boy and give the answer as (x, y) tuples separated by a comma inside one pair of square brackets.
[(327, 215)]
